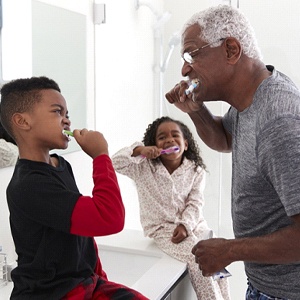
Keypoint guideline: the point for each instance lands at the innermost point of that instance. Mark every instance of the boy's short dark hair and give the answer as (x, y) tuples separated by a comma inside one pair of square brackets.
[(20, 95)]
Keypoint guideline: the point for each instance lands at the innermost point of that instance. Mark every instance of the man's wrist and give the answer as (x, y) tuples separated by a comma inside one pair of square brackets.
[(201, 108)]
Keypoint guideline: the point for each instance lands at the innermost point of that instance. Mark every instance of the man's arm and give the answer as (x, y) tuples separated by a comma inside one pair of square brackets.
[(279, 247), (209, 127), (211, 130)]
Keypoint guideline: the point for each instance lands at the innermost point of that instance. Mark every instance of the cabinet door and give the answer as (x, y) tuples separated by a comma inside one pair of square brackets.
[(183, 290)]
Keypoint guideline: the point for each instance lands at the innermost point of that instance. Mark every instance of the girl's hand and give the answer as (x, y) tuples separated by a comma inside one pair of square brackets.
[(150, 152), (179, 234)]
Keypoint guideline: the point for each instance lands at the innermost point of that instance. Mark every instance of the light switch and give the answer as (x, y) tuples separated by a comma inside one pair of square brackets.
[(99, 13)]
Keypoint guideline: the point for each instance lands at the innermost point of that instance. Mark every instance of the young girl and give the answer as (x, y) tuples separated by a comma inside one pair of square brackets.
[(170, 190)]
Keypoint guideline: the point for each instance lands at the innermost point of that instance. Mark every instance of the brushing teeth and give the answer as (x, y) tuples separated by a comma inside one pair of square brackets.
[(67, 132), (170, 150), (194, 84)]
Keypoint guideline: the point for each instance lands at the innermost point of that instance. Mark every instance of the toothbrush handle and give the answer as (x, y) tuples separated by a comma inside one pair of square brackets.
[(68, 132)]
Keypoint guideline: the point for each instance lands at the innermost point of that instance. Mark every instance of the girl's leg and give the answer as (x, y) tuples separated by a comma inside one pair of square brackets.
[(205, 287)]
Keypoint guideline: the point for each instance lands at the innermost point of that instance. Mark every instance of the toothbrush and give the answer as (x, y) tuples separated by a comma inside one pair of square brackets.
[(70, 133), (194, 84), (170, 150)]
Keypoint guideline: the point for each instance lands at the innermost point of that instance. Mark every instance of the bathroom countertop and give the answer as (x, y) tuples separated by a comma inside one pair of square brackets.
[(5, 291), (156, 282), (162, 277)]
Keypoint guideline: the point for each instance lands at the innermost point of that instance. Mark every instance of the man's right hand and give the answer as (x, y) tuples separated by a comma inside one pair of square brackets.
[(178, 97)]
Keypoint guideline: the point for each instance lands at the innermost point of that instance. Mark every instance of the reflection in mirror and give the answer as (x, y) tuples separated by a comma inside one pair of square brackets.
[(8, 149), (58, 49)]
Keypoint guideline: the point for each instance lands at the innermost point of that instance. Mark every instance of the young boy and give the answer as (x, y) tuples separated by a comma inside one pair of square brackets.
[(52, 224)]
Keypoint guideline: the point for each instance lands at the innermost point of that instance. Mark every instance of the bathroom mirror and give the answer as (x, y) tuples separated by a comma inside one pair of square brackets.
[(61, 48), (59, 52)]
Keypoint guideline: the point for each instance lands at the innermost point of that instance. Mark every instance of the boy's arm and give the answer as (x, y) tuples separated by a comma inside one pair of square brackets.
[(103, 213)]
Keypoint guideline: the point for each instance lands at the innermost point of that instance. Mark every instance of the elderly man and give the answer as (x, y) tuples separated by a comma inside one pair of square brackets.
[(262, 129)]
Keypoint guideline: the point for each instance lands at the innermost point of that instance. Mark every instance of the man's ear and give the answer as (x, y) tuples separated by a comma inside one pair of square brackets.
[(233, 50), (21, 121)]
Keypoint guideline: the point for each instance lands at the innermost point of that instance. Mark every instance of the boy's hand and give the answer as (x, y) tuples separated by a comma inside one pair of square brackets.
[(91, 142)]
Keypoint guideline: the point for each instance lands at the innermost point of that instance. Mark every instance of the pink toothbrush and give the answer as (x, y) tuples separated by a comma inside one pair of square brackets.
[(170, 150)]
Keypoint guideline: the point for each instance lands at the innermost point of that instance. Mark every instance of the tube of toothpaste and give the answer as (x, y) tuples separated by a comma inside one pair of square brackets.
[(223, 273), (193, 85)]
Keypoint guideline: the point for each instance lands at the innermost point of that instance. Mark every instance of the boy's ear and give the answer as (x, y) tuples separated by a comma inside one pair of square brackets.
[(20, 120)]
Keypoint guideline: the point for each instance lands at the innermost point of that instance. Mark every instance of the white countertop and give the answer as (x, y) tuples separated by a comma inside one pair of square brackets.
[(155, 282), (5, 291), (158, 280)]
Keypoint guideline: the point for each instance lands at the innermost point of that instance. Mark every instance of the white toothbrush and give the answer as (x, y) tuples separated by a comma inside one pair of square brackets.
[(194, 84)]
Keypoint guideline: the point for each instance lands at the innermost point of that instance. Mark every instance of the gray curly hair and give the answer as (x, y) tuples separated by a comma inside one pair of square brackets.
[(222, 21)]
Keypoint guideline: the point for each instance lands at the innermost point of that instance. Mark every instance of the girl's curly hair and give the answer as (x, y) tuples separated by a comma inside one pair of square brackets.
[(193, 151)]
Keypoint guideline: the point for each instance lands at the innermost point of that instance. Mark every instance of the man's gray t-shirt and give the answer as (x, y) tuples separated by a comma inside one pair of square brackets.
[(266, 175)]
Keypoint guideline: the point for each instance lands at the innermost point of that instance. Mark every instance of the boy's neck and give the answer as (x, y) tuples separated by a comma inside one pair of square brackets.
[(40, 157)]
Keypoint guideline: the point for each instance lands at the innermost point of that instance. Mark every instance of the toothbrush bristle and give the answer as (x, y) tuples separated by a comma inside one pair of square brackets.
[(173, 149), (193, 84), (67, 132)]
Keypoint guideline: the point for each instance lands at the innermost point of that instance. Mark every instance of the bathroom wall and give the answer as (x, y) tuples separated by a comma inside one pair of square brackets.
[(124, 94), (126, 76)]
